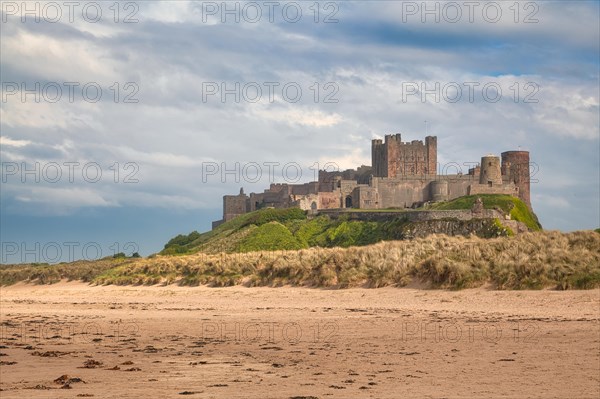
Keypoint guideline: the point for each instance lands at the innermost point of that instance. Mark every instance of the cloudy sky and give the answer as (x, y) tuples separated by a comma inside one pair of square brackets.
[(124, 125)]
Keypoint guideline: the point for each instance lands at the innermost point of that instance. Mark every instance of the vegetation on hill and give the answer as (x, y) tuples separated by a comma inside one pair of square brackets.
[(284, 246), (177, 244), (220, 238), (535, 260), (280, 229), (512, 205)]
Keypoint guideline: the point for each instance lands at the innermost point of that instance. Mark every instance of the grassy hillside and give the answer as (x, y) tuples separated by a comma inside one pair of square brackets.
[(527, 261), (282, 229), (239, 234), (514, 206), (283, 246)]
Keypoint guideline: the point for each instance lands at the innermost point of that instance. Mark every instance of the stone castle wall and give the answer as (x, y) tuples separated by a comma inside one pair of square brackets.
[(393, 158), (508, 189), (234, 205), (403, 175), (515, 165), (413, 216)]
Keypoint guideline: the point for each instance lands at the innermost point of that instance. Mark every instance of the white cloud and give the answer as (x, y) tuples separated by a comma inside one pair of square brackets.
[(297, 115), (161, 159), (569, 111), (62, 197), (7, 141), (73, 60)]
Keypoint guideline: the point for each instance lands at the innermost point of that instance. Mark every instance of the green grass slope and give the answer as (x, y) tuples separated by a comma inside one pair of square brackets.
[(237, 235), (514, 206), (286, 229)]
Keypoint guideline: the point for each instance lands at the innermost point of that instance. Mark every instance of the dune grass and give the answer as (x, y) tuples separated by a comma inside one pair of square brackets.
[(83, 270), (534, 260), (527, 261)]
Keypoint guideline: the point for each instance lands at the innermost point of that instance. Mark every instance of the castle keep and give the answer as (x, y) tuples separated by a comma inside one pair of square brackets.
[(402, 175)]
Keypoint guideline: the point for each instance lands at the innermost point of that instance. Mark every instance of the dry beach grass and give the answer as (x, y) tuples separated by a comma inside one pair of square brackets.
[(535, 260)]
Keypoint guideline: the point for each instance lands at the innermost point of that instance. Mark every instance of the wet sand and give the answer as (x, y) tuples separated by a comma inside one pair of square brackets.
[(174, 342)]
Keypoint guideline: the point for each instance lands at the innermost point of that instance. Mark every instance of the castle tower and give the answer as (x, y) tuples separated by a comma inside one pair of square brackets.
[(515, 165), (393, 158), (431, 146), (235, 205), (378, 158), (490, 173)]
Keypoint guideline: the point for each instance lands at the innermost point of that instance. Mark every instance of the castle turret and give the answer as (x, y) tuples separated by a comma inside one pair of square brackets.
[(490, 173), (515, 166), (439, 190)]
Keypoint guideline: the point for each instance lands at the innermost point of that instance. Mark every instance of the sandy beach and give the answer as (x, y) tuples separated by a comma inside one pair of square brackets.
[(72, 340)]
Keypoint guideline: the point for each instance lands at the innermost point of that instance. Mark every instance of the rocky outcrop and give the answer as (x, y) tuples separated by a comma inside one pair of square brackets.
[(485, 223), (484, 228)]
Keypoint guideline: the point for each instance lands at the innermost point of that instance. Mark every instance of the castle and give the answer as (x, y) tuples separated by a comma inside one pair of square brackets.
[(402, 175)]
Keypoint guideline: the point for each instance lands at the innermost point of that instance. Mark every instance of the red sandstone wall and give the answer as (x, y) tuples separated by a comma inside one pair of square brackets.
[(393, 158), (518, 172), (329, 200)]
